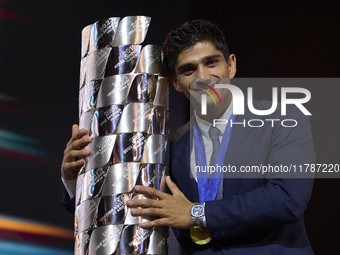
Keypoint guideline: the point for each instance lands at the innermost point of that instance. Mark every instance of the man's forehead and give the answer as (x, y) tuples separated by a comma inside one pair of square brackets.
[(197, 52), (201, 44)]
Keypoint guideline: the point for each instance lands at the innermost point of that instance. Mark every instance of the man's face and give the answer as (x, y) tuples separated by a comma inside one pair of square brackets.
[(203, 62)]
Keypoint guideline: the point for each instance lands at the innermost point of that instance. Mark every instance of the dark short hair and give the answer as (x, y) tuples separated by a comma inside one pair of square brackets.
[(187, 35)]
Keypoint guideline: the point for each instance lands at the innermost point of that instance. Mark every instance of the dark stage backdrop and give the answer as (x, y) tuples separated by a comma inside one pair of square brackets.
[(39, 70)]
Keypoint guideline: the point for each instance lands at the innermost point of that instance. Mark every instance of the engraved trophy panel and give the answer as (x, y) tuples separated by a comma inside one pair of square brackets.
[(153, 175), (106, 120), (121, 178), (103, 33), (79, 188), (76, 220), (81, 100), (154, 150), (143, 88), (111, 210), (134, 240), (85, 121), (159, 121), (114, 89), (132, 30), (96, 64), (122, 59), (150, 60), (158, 241), (82, 75), (162, 93), (128, 147), (92, 183), (135, 117), (88, 96), (85, 40), (82, 242), (87, 210), (101, 150), (104, 240)]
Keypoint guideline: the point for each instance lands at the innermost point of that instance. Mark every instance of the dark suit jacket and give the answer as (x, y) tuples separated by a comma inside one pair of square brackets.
[(256, 215)]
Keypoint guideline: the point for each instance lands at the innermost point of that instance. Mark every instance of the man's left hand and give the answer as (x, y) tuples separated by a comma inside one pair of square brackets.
[(169, 210)]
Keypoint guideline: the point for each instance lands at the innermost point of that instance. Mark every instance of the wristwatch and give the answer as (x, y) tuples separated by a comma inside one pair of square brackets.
[(198, 214)]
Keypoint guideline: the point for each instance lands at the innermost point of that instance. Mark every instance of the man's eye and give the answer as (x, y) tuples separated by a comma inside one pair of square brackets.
[(212, 62), (188, 71)]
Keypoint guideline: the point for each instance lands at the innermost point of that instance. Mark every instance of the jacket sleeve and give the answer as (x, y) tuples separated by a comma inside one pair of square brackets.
[(67, 202)]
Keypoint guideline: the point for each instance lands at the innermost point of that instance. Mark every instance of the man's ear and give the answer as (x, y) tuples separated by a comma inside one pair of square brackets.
[(175, 83), (232, 66)]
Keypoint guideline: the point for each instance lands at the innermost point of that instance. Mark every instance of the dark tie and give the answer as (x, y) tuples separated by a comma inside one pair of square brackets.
[(214, 134)]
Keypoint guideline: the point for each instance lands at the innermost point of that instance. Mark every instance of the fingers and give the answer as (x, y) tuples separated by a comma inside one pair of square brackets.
[(69, 171), (148, 209), (74, 148), (146, 213), (74, 153), (77, 133), (150, 192), (78, 141), (154, 223), (173, 212), (144, 203)]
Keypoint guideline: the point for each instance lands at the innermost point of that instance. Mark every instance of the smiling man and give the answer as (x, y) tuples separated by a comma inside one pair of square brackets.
[(211, 213)]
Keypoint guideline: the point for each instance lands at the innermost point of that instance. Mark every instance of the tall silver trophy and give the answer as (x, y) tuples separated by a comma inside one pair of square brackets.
[(123, 102)]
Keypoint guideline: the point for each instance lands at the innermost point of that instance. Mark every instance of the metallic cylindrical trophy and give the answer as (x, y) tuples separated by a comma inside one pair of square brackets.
[(123, 102)]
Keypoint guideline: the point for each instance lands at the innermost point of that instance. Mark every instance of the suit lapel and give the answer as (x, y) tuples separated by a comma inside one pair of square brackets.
[(239, 146), (180, 164)]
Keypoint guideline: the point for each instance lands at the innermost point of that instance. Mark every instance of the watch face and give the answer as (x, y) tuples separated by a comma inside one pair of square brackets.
[(197, 210)]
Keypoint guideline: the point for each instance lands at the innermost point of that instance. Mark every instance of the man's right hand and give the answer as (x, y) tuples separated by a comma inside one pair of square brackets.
[(75, 153)]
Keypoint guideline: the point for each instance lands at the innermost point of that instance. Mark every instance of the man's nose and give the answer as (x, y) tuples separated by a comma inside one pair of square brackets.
[(202, 72)]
